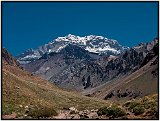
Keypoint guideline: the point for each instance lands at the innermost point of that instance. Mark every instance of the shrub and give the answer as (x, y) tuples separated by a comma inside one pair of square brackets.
[(114, 111), (131, 104), (7, 109), (154, 112), (42, 112), (138, 110), (102, 111), (126, 104), (149, 104)]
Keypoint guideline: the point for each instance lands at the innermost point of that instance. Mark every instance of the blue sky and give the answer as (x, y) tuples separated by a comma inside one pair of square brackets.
[(31, 24)]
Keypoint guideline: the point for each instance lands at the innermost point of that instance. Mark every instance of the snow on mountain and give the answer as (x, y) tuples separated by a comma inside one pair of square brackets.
[(91, 43)]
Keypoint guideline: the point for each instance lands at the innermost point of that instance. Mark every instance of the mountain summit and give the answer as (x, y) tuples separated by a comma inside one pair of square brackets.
[(92, 43)]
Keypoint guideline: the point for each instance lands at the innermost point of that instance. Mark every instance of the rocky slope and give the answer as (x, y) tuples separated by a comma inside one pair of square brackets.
[(27, 96), (91, 43), (75, 68), (65, 67), (142, 82), (8, 58)]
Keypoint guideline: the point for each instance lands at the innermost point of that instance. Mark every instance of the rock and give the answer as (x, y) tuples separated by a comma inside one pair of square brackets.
[(20, 106), (94, 110), (80, 112), (73, 109), (86, 111), (17, 87), (11, 116), (84, 116), (110, 95), (93, 115), (74, 116)]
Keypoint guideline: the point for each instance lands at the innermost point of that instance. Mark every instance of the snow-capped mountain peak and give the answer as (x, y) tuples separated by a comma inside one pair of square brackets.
[(91, 43)]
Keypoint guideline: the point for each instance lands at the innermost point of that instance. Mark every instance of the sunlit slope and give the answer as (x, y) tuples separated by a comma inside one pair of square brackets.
[(20, 89)]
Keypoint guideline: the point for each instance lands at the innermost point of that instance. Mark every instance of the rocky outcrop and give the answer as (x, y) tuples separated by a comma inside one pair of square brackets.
[(151, 54), (73, 113), (7, 58), (121, 94)]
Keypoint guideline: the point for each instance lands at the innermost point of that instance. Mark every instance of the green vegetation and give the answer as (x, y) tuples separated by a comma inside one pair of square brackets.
[(41, 112), (131, 104), (154, 112), (138, 110), (147, 105), (113, 111), (102, 111), (7, 109), (135, 107), (153, 107)]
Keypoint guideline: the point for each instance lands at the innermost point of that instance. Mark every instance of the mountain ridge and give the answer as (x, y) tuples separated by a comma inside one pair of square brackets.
[(91, 43)]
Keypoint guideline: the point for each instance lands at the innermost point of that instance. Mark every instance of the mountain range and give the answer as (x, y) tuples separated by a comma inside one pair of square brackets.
[(74, 67), (74, 77), (91, 43)]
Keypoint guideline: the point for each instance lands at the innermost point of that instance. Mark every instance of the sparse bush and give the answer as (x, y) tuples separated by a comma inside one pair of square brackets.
[(114, 111), (102, 111), (7, 109), (126, 104), (131, 104), (42, 112), (154, 112), (149, 104), (138, 110)]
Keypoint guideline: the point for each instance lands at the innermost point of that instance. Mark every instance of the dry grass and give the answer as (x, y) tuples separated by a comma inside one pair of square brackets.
[(20, 92)]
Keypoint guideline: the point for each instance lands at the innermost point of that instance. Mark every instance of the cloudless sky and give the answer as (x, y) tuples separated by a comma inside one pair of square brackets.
[(31, 24)]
